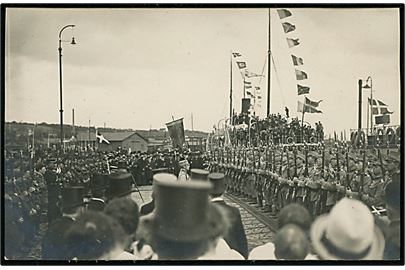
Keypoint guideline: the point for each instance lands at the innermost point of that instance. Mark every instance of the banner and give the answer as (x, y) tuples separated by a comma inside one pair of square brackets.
[(176, 132), (382, 119)]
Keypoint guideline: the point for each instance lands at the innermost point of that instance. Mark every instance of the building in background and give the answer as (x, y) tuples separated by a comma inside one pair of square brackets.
[(124, 140)]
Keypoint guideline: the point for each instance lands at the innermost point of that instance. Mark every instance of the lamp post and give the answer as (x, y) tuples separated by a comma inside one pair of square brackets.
[(369, 112), (73, 42)]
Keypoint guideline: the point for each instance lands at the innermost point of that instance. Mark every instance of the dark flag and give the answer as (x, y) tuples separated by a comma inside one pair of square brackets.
[(283, 13), (297, 61), (312, 103), (241, 65), (176, 132), (382, 119), (288, 27), (302, 89), (236, 54)]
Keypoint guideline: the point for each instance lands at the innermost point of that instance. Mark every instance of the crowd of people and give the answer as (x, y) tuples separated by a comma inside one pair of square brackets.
[(319, 197), (275, 129)]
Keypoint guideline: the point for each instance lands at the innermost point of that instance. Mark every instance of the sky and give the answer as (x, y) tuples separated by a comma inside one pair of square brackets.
[(138, 68)]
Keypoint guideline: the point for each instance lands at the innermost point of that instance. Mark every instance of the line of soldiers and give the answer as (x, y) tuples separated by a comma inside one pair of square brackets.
[(313, 176)]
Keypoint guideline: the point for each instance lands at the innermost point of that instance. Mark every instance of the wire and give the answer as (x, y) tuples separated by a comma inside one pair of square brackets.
[(278, 79)]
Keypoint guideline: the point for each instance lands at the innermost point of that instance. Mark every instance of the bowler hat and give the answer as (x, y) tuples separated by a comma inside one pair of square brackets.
[(218, 183), (199, 175), (183, 212), (348, 232), (72, 196)]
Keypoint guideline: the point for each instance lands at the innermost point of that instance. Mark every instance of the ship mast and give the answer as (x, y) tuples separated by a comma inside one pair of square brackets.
[(269, 67)]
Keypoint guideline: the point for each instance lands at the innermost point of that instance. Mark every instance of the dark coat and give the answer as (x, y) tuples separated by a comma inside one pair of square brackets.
[(53, 244), (236, 236), (147, 208)]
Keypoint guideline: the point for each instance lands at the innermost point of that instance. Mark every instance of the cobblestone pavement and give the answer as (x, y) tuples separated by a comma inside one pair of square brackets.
[(258, 229)]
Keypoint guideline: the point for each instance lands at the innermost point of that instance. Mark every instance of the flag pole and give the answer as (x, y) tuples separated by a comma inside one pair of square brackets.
[(302, 119), (230, 89), (269, 66)]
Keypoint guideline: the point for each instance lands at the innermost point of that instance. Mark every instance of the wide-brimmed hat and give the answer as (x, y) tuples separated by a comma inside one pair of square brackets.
[(182, 210), (218, 183), (199, 175), (347, 233)]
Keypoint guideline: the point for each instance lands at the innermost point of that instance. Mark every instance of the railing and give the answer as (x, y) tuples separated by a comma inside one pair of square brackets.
[(380, 137)]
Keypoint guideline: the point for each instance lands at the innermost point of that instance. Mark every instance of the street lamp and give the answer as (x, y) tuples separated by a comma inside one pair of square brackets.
[(73, 42), (369, 85)]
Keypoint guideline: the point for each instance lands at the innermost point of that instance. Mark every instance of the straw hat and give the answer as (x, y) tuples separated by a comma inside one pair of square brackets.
[(347, 233)]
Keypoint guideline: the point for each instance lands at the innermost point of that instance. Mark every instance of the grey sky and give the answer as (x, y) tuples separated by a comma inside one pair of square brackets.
[(136, 68)]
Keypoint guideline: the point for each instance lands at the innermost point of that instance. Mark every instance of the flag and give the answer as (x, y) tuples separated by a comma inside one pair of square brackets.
[(176, 132), (236, 54), (249, 94), (101, 138), (247, 83), (283, 13), (241, 65), (297, 61), (307, 108), (249, 74), (382, 119), (259, 97), (300, 75), (288, 27), (292, 42), (379, 107), (302, 89), (248, 86), (312, 103)]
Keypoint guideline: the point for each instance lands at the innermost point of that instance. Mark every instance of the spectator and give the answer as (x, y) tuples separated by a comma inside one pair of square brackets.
[(95, 236), (347, 233)]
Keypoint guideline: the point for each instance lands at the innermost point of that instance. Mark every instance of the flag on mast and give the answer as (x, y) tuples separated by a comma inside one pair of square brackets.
[(176, 132), (293, 42), (288, 27), (297, 61), (300, 75), (302, 89), (283, 13), (101, 138)]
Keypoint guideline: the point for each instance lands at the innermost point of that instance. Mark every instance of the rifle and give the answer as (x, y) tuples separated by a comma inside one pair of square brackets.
[(323, 163), (347, 169), (362, 174), (306, 162), (281, 162), (295, 161), (288, 166), (381, 162), (337, 163)]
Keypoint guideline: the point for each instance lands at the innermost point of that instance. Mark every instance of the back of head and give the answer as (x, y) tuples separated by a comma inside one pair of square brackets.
[(291, 243), (126, 212), (93, 236), (297, 214)]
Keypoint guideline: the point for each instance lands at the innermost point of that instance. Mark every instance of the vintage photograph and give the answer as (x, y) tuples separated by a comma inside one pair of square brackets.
[(240, 134)]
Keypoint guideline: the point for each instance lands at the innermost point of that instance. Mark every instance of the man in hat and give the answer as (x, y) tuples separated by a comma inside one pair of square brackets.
[(120, 184), (53, 244), (98, 185), (347, 233), (235, 236), (53, 188), (393, 231), (184, 168), (184, 225)]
